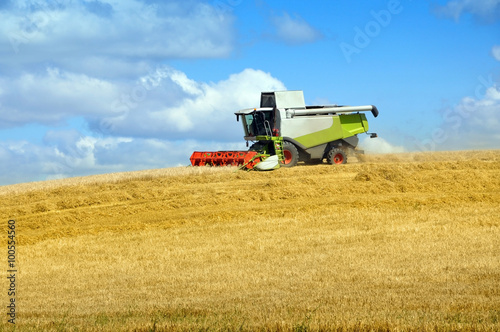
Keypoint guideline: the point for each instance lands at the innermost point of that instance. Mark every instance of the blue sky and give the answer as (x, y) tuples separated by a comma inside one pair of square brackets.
[(103, 86)]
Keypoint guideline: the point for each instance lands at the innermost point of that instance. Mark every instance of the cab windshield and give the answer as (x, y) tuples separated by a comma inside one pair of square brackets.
[(259, 123)]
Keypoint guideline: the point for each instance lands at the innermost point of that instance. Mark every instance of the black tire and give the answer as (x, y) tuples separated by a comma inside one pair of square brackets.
[(336, 156), (291, 155)]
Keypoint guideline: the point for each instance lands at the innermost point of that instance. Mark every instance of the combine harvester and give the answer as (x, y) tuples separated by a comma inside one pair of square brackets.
[(285, 131)]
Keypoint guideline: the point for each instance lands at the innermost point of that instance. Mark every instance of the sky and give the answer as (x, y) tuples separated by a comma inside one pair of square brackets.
[(101, 86)]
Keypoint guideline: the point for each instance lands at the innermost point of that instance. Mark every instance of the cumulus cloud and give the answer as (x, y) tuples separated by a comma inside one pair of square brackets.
[(52, 96), (487, 11), (163, 104), (201, 111), (294, 30), (38, 31)]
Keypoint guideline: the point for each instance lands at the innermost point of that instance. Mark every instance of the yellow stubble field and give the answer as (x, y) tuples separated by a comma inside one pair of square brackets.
[(396, 242)]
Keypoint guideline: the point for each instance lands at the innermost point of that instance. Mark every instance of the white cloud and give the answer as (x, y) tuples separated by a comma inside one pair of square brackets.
[(485, 10), (495, 51), (163, 104), (294, 30), (201, 111), (52, 96), (32, 32)]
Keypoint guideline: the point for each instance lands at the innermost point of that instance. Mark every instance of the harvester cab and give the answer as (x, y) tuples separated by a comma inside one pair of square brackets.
[(284, 131), (259, 122)]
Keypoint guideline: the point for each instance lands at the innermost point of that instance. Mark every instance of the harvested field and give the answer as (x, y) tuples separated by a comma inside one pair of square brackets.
[(393, 242)]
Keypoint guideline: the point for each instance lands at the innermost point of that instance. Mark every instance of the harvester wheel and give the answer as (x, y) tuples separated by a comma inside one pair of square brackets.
[(336, 156), (291, 155)]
